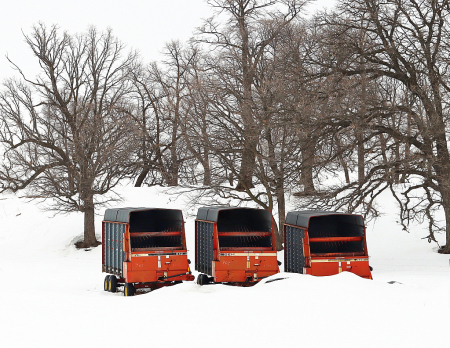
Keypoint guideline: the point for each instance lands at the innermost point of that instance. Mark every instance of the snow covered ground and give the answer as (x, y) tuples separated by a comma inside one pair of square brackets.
[(52, 294)]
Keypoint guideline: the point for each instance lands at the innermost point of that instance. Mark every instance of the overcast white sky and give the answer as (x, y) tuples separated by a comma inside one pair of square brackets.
[(145, 25)]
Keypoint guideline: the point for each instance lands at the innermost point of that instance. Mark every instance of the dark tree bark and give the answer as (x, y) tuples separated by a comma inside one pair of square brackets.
[(341, 159), (67, 132), (243, 50), (140, 179), (88, 209), (360, 151), (307, 165), (407, 43)]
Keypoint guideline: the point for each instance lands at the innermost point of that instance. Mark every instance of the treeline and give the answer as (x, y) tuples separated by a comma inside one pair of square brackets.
[(260, 104)]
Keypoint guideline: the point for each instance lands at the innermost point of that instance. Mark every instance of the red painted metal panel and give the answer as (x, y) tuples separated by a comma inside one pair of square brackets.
[(253, 249), (246, 234), (336, 239), (244, 251), (326, 267), (331, 255), (241, 266), (150, 265), (153, 234)]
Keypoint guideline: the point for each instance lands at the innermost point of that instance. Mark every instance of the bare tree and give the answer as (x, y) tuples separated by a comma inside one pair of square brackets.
[(196, 116), (147, 99), (160, 93), (285, 113), (406, 42), (241, 49), (66, 134)]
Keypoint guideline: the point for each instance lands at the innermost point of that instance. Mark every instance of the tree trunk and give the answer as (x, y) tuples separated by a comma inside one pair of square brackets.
[(250, 139), (442, 168), (89, 225), (360, 149), (230, 178), (207, 171), (445, 194), (173, 169), (247, 165), (175, 163), (342, 161), (396, 174), (383, 146), (360, 125), (446, 205), (407, 149), (307, 165), (141, 177), (281, 203)]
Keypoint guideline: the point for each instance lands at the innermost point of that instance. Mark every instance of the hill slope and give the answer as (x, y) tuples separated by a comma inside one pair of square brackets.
[(52, 294)]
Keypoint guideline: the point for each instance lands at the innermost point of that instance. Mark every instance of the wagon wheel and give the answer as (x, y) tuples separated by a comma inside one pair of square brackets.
[(202, 279), (106, 283), (129, 289), (112, 284)]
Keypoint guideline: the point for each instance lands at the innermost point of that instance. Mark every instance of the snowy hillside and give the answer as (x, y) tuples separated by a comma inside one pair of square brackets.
[(52, 294)]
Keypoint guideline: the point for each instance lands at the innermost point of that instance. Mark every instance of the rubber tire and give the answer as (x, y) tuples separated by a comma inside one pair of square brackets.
[(202, 279), (106, 283), (113, 284), (128, 289)]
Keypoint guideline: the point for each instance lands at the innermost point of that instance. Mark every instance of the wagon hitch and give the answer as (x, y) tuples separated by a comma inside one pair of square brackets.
[(174, 276), (253, 279)]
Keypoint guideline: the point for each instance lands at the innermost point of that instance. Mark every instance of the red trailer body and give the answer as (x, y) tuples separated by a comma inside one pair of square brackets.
[(234, 245), (325, 243), (144, 248)]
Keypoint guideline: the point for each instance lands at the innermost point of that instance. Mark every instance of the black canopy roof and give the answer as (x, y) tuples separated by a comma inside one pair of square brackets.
[(212, 213), (123, 214), (301, 218)]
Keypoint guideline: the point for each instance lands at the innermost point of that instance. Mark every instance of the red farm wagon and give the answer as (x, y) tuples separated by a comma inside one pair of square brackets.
[(234, 245), (143, 248), (325, 243)]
